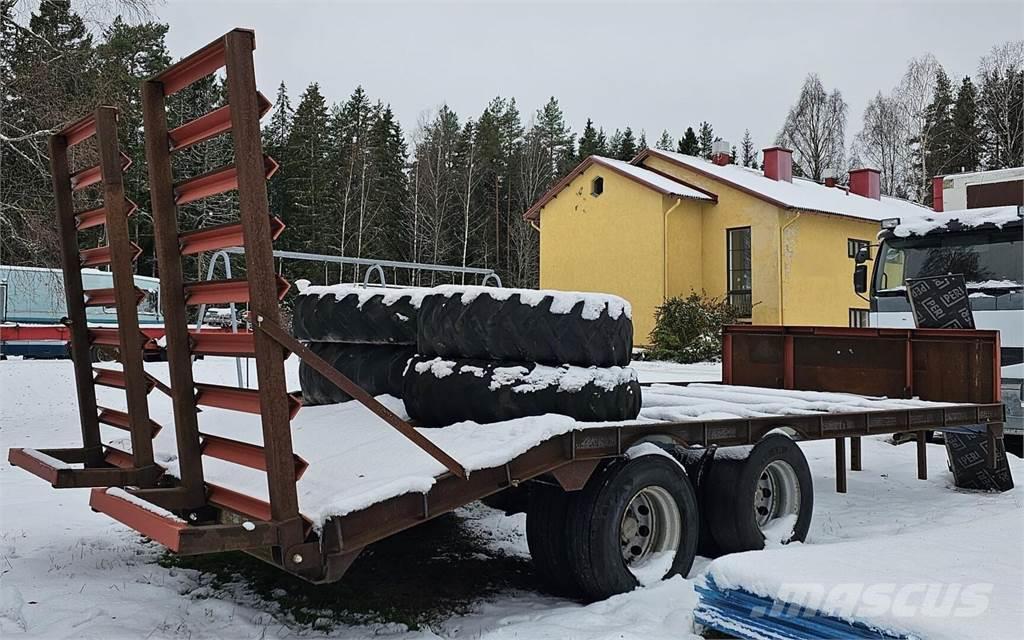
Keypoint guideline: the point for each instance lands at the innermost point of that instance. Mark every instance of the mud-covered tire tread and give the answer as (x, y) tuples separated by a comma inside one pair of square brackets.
[(378, 369), (490, 329), (326, 318), (459, 396)]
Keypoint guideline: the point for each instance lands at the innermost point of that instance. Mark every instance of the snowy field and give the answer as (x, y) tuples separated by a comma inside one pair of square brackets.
[(67, 572)]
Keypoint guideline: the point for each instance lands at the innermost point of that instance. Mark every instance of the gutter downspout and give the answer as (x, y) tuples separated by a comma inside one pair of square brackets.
[(782, 231), (664, 251), (534, 225)]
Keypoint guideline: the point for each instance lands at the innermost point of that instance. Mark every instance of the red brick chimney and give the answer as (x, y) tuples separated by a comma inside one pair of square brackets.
[(937, 193), (866, 182), (778, 164), (721, 153)]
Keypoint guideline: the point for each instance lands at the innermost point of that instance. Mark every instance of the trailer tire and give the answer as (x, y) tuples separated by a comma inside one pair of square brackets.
[(546, 517), (441, 392), (377, 369), (697, 463), (773, 481), (495, 325), (384, 316), (638, 507)]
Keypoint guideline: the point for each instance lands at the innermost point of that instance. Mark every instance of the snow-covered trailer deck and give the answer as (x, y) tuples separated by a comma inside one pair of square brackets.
[(362, 481)]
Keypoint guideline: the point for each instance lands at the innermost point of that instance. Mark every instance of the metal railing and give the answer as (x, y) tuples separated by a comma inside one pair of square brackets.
[(378, 266)]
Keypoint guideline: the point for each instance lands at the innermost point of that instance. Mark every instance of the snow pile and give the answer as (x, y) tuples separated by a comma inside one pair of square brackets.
[(389, 295), (933, 221), (934, 583), (562, 302)]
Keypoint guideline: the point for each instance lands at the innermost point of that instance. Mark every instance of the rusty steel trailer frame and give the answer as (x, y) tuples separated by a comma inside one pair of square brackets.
[(189, 515)]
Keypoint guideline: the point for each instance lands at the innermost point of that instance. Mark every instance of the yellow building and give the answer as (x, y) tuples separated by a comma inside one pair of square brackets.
[(780, 249)]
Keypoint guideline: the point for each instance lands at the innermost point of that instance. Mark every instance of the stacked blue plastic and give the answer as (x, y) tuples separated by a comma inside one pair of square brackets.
[(742, 614)]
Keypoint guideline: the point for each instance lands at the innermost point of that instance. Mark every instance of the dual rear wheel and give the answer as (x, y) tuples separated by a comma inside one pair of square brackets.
[(638, 520)]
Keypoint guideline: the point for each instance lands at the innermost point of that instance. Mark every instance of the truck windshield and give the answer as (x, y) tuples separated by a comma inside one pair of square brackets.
[(987, 259)]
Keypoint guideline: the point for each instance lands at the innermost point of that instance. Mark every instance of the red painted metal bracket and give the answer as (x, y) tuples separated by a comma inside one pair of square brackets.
[(211, 183), (222, 343), (221, 236), (98, 216), (152, 522), (121, 420), (235, 399), (243, 453), (93, 175), (109, 337), (80, 130), (238, 502), (196, 66), (106, 297), (98, 256), (225, 291), (209, 125)]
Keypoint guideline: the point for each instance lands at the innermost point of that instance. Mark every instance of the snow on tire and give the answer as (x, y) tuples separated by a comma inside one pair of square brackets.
[(356, 314), (377, 369), (526, 325), (759, 495), (440, 392)]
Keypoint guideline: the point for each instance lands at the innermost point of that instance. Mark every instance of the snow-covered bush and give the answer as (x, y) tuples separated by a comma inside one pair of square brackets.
[(690, 329)]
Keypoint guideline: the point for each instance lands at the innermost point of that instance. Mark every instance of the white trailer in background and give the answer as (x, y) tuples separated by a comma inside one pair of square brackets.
[(979, 189)]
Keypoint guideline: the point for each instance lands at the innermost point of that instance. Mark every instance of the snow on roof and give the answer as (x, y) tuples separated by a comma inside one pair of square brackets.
[(799, 194), (661, 184), (935, 221), (994, 174), (654, 180)]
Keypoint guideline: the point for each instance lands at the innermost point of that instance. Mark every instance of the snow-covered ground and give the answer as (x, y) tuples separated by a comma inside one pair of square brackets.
[(68, 572)]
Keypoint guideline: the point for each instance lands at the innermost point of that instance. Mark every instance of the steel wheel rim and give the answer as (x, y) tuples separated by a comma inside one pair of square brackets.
[(777, 493), (651, 524)]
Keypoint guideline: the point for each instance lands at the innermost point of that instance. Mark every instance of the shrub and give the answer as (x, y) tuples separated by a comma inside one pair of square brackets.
[(690, 329)]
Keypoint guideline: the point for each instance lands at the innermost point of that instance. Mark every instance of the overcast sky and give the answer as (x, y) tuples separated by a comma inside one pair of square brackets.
[(650, 66)]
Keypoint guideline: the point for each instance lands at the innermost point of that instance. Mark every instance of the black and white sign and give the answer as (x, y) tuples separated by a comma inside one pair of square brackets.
[(940, 302)]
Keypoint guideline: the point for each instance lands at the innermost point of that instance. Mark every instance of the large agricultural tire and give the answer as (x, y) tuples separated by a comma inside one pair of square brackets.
[(630, 514), (746, 496), (377, 369), (357, 315), (546, 517), (441, 392), (522, 325)]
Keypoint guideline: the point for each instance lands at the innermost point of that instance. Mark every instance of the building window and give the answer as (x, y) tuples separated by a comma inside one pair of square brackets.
[(597, 186), (853, 246), (858, 317), (738, 273)]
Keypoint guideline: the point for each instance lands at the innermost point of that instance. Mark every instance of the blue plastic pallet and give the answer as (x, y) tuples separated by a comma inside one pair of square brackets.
[(732, 611)]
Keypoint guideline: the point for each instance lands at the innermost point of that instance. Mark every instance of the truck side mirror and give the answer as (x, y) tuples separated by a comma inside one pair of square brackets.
[(863, 255), (860, 278)]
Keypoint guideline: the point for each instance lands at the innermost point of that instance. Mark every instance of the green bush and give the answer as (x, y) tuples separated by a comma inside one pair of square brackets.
[(690, 329)]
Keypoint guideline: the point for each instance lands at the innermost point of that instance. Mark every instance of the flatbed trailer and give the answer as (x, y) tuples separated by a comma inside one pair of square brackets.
[(191, 509)]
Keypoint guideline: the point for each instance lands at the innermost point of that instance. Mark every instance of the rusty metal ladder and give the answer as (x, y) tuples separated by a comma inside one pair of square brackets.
[(188, 514), (102, 465)]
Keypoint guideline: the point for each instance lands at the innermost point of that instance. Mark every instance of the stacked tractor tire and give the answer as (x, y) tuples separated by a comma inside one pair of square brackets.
[(474, 353)]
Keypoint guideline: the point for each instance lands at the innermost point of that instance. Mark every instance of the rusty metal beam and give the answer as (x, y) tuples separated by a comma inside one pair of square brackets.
[(209, 125), (221, 237), (217, 181), (222, 343), (243, 453), (226, 291), (79, 130), (98, 216), (325, 369)]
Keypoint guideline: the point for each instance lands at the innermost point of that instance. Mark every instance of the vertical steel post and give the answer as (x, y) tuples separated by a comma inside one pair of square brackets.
[(855, 459), (259, 263), (78, 329), (165, 231), (922, 455), (126, 304), (840, 465)]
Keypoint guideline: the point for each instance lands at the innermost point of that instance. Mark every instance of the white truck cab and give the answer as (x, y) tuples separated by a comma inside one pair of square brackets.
[(987, 246)]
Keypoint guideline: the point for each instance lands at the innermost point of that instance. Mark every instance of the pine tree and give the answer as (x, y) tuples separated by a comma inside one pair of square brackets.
[(626, 148), (665, 142), (275, 143), (309, 178), (688, 144), (939, 123), (748, 155), (966, 141), (642, 144), (707, 139), (556, 137), (590, 143)]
